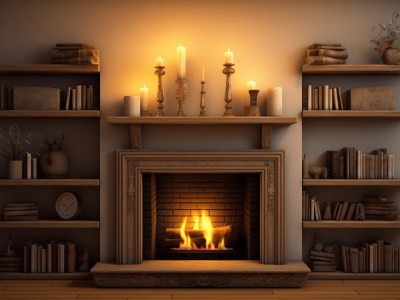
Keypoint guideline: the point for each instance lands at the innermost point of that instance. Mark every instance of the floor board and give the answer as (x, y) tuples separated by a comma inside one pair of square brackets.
[(313, 289)]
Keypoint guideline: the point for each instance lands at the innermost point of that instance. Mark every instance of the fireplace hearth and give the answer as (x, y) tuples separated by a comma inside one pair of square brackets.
[(165, 199)]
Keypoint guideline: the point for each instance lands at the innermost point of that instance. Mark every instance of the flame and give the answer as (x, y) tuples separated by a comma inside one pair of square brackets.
[(205, 225)]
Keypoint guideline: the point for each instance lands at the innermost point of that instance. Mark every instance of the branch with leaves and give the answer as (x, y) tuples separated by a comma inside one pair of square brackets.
[(13, 143), (389, 32)]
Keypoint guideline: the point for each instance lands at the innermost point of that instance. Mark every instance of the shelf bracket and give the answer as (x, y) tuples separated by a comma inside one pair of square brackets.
[(266, 136), (136, 136)]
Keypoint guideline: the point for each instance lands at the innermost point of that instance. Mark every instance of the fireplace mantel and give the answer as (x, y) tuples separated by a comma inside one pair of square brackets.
[(136, 123)]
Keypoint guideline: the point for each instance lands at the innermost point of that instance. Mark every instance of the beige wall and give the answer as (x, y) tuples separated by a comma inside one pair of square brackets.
[(268, 39)]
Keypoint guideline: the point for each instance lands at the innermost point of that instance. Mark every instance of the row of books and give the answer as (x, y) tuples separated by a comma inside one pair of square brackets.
[(325, 54), (338, 211), (322, 97), (351, 163), (80, 98), (372, 257), (5, 98), (75, 54), (52, 257), (21, 212)]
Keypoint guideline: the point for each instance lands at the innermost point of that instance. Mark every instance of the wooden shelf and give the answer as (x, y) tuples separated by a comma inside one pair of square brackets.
[(352, 276), (50, 182), (122, 120), (350, 114), (351, 69), (136, 123), (351, 182), (44, 69), (51, 224), (44, 276), (351, 224), (49, 113)]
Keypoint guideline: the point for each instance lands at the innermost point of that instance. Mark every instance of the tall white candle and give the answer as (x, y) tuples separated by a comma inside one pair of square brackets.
[(251, 84), (132, 106), (202, 77), (181, 61), (274, 101), (28, 166), (229, 57), (144, 98), (160, 61)]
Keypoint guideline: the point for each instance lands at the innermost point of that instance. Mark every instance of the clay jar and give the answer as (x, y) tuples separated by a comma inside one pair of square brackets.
[(54, 163)]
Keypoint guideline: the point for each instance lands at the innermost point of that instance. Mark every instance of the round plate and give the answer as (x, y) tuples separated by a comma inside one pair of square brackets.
[(68, 206)]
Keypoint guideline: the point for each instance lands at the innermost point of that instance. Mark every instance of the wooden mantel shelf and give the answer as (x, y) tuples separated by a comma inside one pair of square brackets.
[(135, 124)]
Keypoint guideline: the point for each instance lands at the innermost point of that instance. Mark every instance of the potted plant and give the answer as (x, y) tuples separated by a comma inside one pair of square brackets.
[(388, 34), (13, 146)]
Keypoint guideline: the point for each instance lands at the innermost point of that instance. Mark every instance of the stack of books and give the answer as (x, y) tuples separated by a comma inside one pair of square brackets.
[(380, 208), (21, 212), (322, 261), (10, 262), (326, 54), (75, 54)]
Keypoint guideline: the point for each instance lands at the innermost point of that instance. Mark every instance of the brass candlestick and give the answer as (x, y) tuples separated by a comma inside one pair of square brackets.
[(160, 96), (228, 71), (202, 100), (180, 93), (253, 109)]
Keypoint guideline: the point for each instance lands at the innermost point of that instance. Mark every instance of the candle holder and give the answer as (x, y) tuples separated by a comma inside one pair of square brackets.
[(228, 71), (253, 109), (180, 94), (202, 100), (160, 96)]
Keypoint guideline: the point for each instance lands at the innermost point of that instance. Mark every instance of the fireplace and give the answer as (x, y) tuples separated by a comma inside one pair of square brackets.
[(159, 195)]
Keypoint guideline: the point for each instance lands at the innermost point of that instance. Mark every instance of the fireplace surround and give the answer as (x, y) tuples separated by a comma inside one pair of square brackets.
[(137, 264)]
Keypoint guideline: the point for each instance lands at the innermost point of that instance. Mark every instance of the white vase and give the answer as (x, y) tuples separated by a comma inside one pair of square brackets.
[(15, 169)]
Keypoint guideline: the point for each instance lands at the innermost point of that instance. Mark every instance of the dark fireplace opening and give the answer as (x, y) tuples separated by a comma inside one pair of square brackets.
[(179, 208)]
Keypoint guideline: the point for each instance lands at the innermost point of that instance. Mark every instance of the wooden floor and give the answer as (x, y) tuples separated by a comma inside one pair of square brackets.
[(314, 289)]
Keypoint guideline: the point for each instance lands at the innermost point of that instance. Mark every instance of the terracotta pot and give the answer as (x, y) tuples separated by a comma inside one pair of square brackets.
[(389, 55), (15, 169)]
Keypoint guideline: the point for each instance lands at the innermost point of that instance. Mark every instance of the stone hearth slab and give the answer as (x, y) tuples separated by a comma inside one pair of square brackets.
[(199, 273)]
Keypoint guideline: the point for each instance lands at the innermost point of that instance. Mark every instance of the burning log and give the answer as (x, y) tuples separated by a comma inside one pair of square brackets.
[(222, 230)]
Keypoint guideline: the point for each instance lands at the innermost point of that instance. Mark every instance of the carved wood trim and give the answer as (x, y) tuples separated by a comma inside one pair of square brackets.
[(132, 164)]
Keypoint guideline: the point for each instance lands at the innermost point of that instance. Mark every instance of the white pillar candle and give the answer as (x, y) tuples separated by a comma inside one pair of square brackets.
[(132, 106), (160, 61), (34, 168), (274, 101), (28, 166), (181, 61), (144, 98), (202, 77), (251, 84), (229, 57)]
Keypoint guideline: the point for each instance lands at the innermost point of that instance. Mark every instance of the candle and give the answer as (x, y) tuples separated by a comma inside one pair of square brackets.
[(34, 168), (229, 57), (132, 106), (274, 101), (160, 61), (181, 60), (251, 84), (144, 97), (202, 78)]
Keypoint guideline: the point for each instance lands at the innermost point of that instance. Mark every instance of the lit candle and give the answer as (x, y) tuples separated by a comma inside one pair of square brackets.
[(132, 106), (144, 97), (229, 57), (160, 61), (251, 84), (202, 78), (181, 60)]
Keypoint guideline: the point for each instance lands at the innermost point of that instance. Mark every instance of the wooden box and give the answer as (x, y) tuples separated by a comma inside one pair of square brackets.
[(36, 98), (373, 98)]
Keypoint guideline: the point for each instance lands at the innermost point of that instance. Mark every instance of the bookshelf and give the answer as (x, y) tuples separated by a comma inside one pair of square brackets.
[(325, 130), (82, 148)]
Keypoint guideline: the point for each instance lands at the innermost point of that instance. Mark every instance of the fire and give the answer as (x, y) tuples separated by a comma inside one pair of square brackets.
[(203, 225)]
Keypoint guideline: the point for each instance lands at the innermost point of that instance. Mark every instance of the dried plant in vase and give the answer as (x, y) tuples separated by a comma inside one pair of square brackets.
[(388, 34), (13, 146)]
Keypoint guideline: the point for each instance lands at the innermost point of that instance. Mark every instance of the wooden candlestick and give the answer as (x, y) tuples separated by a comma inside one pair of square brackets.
[(228, 71), (180, 93), (202, 100), (160, 96)]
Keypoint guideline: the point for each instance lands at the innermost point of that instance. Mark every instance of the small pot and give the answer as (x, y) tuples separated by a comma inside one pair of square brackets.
[(15, 169), (389, 55)]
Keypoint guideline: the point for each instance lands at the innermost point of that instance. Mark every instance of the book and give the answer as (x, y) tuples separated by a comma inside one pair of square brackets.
[(71, 249), (323, 60), (344, 258), (353, 260), (61, 257), (322, 254), (67, 52), (388, 258), (332, 46), (74, 46), (84, 60), (331, 268), (335, 53)]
